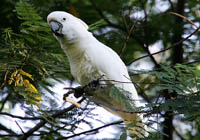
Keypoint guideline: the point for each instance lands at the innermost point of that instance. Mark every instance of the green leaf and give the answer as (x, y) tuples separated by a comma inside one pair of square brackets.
[(97, 24)]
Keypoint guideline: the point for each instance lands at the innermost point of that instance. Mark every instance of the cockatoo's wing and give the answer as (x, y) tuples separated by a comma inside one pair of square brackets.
[(112, 67)]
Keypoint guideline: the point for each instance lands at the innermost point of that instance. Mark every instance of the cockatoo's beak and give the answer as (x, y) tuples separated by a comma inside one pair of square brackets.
[(56, 28)]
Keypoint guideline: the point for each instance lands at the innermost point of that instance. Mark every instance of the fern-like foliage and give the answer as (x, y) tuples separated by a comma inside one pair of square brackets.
[(181, 79), (33, 24), (185, 82), (123, 97), (32, 51)]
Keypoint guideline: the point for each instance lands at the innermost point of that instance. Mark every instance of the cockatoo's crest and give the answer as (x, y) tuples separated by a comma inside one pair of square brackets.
[(82, 22)]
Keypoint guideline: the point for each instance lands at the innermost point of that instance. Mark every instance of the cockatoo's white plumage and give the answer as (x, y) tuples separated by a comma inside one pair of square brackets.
[(90, 59)]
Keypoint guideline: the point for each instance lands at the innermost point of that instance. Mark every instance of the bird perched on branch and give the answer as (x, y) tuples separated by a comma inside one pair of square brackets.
[(90, 59)]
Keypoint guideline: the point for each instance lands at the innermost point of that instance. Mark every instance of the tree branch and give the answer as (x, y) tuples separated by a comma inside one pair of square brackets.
[(185, 18), (7, 130), (43, 122), (174, 45), (19, 117), (92, 130)]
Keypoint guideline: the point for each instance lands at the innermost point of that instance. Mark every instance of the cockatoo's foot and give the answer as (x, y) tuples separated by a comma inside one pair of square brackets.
[(97, 83), (67, 94), (94, 84), (78, 92), (66, 99)]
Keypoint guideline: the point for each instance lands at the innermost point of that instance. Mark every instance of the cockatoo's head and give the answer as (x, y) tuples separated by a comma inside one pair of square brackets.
[(66, 27)]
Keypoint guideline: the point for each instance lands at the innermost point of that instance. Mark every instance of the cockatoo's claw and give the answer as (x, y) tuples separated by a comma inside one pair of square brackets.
[(78, 92), (67, 94)]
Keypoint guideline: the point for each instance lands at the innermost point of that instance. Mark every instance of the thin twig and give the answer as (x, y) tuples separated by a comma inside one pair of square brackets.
[(131, 73), (19, 127), (129, 32), (4, 80), (179, 15)]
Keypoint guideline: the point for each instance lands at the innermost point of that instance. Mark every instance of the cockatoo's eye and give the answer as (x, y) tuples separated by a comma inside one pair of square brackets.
[(64, 19)]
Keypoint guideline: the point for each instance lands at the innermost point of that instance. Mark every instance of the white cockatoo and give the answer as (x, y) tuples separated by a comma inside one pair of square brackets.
[(90, 59)]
